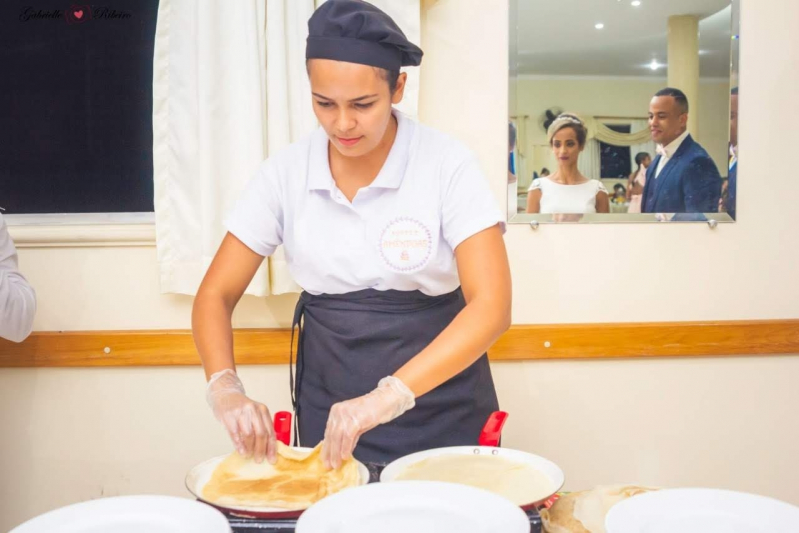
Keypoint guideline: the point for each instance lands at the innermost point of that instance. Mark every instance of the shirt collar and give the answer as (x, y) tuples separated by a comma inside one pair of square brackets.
[(390, 175), (674, 145)]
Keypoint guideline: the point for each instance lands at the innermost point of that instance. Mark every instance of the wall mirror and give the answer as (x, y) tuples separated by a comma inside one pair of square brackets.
[(623, 110)]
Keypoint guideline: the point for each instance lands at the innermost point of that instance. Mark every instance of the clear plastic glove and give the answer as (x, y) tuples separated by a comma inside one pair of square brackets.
[(248, 423), (350, 419)]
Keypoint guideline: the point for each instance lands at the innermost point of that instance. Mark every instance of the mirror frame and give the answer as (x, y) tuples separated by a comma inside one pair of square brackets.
[(626, 218)]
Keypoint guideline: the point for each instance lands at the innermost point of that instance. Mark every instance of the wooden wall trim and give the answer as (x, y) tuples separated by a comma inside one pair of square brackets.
[(520, 343)]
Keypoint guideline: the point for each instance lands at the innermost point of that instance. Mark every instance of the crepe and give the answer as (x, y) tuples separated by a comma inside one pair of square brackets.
[(585, 511), (519, 482), (296, 481)]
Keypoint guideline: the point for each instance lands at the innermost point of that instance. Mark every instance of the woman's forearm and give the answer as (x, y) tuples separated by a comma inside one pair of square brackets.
[(213, 333), (461, 343)]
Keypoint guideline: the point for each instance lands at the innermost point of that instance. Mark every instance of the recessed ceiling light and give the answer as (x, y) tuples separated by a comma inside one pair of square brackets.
[(635, 3), (599, 26), (654, 65)]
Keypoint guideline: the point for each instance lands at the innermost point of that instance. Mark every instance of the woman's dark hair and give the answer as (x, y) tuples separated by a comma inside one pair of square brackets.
[(678, 95), (639, 158), (391, 76)]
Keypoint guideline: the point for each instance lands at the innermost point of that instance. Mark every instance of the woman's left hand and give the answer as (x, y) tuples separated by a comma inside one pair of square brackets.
[(350, 419)]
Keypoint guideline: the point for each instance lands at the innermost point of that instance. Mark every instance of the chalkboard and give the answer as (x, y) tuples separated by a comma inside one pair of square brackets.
[(76, 119)]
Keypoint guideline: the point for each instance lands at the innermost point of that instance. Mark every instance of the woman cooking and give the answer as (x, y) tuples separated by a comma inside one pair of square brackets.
[(392, 232)]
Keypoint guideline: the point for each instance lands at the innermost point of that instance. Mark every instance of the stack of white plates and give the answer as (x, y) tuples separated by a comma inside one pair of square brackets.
[(702, 511), (130, 514)]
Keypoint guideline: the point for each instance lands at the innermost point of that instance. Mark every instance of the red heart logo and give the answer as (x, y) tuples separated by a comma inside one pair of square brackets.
[(78, 14)]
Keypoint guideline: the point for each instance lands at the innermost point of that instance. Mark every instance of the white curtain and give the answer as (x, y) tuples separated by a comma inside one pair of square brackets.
[(589, 163), (289, 115), (229, 89), (597, 129), (648, 146)]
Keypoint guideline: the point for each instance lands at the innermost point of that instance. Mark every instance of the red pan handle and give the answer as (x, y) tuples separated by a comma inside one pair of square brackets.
[(282, 425), (492, 429)]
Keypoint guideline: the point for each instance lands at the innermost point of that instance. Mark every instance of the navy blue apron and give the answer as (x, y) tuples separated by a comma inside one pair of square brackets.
[(349, 342)]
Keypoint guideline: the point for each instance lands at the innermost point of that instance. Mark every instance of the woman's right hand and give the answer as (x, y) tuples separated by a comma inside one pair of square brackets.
[(248, 422)]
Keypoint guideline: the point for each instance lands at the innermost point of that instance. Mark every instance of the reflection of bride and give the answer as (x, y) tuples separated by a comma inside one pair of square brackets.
[(567, 190), (635, 185)]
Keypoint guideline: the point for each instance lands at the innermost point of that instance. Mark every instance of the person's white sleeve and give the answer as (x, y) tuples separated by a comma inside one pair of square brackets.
[(17, 297), (469, 206), (257, 217), (535, 185)]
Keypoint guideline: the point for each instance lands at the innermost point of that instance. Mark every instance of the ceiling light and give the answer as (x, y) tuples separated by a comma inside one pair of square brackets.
[(654, 65), (599, 26), (635, 3)]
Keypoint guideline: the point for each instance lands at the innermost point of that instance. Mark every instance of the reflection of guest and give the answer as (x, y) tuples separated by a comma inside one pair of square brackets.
[(683, 177), (511, 147), (544, 173), (728, 201), (567, 190), (619, 194), (635, 185), (513, 201), (17, 298)]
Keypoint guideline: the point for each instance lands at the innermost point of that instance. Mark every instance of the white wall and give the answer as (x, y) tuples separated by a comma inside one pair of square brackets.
[(75, 434)]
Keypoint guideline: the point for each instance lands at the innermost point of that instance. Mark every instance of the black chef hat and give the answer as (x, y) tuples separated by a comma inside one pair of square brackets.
[(357, 32)]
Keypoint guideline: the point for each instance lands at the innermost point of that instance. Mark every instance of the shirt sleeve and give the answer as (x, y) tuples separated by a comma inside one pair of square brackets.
[(468, 206), (17, 297), (257, 217)]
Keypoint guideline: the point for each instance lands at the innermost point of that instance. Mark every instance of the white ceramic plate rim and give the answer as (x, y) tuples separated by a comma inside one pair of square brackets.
[(545, 466), (192, 515), (201, 474), (633, 514), (350, 503)]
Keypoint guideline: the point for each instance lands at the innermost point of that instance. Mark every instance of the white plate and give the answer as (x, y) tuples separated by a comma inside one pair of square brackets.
[(545, 466), (701, 511), (418, 506), (130, 514), (201, 474)]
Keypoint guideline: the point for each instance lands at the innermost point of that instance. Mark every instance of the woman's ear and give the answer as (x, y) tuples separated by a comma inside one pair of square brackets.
[(399, 91)]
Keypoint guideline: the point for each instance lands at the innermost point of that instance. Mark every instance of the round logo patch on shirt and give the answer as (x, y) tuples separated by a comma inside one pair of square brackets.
[(405, 244)]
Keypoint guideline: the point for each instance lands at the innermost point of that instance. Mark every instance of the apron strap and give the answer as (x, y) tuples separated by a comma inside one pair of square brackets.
[(295, 386)]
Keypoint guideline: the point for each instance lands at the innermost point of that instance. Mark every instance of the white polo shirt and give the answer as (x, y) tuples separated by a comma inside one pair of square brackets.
[(398, 233)]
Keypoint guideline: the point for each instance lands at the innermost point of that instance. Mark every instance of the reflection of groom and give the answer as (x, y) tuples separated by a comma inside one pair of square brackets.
[(683, 177), (732, 176)]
